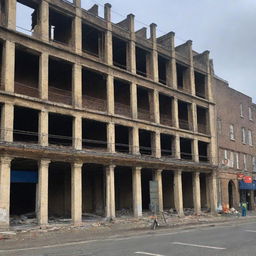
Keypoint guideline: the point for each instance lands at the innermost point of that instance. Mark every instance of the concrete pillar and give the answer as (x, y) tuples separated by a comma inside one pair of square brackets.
[(134, 141), (158, 178), (137, 194), (76, 193), (77, 31), (8, 67), (156, 144), (191, 68), (111, 137), (177, 147), (173, 70), (11, 14), (252, 200), (5, 183), (134, 105), (209, 77), (156, 107), (42, 211), (110, 192), (7, 122), (43, 75), (175, 113), (108, 36), (44, 20), (77, 132), (213, 132), (196, 193), (43, 128), (195, 150), (132, 45), (154, 63), (77, 85), (178, 194), (213, 191), (208, 196), (194, 117), (77, 3), (110, 95)]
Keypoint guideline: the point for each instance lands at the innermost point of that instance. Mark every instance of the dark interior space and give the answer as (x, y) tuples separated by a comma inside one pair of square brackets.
[(26, 72), (123, 190), (203, 151), (202, 120), (166, 145), (145, 142), (59, 202), (162, 69), (187, 190), (25, 125), (2, 12), (122, 139), (165, 106), (60, 81), (1, 63), (143, 103), (60, 129), (94, 90), (168, 192), (94, 134), (60, 27), (93, 192), (29, 23), (92, 40), (186, 148), (146, 177), (203, 190), (141, 61), (183, 109), (122, 98), (119, 53), (181, 76), (24, 179), (200, 85)]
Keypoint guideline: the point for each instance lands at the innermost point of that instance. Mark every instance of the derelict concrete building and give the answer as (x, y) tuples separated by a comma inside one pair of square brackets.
[(91, 111)]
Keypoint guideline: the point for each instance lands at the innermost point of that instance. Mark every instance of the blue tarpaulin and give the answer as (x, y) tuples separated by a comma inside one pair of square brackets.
[(24, 176), (247, 186)]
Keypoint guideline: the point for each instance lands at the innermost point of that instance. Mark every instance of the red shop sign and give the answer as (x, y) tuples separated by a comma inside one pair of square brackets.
[(240, 176), (247, 179)]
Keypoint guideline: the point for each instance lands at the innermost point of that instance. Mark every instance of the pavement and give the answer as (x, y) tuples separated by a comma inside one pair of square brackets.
[(221, 236)]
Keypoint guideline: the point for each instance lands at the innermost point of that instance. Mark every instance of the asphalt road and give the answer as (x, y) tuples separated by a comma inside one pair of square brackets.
[(229, 239)]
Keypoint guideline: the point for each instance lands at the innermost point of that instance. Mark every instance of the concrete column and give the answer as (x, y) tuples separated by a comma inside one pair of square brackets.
[(76, 193), (5, 182), (77, 85), (77, 3), (42, 211), (194, 117), (43, 75), (137, 194), (8, 66), (154, 63), (111, 137), (7, 122), (134, 105), (213, 132), (77, 31), (132, 45), (172, 65), (195, 150), (134, 141), (208, 196), (158, 178), (209, 76), (156, 144), (191, 68), (177, 147), (110, 192), (110, 95), (44, 20), (77, 132), (108, 36), (43, 128), (252, 200), (175, 113), (196, 193), (213, 191), (178, 194), (156, 107), (11, 14)]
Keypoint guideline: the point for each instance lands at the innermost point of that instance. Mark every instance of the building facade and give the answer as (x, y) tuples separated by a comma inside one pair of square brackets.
[(236, 129), (91, 111)]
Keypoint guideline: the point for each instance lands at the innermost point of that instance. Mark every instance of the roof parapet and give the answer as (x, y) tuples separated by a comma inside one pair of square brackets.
[(127, 23), (167, 40), (142, 33), (94, 10), (185, 49)]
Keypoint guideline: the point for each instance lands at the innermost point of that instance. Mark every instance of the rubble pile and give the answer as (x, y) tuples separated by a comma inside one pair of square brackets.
[(24, 219)]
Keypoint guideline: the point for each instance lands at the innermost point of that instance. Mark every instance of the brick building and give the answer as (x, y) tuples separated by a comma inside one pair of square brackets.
[(91, 111), (236, 129)]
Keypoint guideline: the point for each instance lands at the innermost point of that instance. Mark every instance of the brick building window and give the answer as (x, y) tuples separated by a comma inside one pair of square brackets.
[(243, 136), (231, 132), (250, 114), (225, 154), (241, 110), (254, 164), (245, 162), (219, 124), (237, 160), (250, 138)]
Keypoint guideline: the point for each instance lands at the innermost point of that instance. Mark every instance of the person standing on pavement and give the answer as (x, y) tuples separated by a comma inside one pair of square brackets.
[(244, 209)]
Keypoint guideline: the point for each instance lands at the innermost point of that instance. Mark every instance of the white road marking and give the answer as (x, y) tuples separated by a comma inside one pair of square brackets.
[(200, 246), (252, 231), (147, 253)]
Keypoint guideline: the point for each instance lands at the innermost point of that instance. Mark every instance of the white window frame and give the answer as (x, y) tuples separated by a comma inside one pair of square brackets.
[(250, 142), (241, 110), (250, 114), (225, 154), (231, 159), (237, 160), (231, 132), (243, 136), (245, 162), (254, 164)]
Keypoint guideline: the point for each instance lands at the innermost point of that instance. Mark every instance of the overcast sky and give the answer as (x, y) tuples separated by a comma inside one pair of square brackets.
[(227, 28)]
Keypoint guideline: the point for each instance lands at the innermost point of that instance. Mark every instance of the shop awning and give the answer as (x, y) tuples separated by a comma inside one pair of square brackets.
[(247, 186)]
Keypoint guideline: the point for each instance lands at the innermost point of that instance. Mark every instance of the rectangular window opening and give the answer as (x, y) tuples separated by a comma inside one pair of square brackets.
[(203, 151), (184, 115), (122, 139), (165, 106), (145, 138), (202, 120), (162, 69), (186, 149), (142, 60), (119, 53), (200, 85), (167, 145)]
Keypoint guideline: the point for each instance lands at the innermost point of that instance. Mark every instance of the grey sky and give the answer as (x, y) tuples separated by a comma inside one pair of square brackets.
[(225, 27)]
